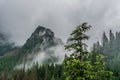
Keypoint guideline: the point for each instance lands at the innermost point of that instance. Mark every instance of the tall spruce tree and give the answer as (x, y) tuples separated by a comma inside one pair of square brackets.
[(97, 48), (112, 42), (111, 36), (78, 66), (104, 39), (77, 37)]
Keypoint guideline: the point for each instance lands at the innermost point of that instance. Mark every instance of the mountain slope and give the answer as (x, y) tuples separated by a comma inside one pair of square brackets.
[(42, 47), (41, 39)]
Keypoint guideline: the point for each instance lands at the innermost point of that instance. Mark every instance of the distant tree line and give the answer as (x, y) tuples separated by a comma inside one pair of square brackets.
[(110, 48)]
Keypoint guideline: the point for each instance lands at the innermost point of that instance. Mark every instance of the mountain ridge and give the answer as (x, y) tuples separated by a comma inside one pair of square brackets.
[(41, 44), (41, 39)]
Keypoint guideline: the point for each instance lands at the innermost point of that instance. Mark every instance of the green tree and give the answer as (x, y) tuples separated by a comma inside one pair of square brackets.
[(78, 66), (77, 37), (99, 69), (104, 39), (97, 48), (111, 35)]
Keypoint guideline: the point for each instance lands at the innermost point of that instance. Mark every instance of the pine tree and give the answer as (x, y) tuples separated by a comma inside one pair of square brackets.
[(77, 37), (78, 66), (111, 36), (104, 39)]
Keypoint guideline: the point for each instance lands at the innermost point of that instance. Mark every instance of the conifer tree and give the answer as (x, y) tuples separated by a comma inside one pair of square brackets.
[(77, 37), (78, 66), (111, 36), (104, 39)]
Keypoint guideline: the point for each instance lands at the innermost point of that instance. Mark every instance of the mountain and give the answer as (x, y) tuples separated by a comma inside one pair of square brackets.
[(40, 40), (42, 47)]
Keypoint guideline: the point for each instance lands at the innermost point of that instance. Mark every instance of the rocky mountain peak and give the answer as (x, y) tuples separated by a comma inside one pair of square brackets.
[(42, 31), (41, 39)]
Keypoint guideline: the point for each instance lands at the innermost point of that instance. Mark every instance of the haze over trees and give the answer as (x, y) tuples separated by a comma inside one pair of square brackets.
[(110, 48)]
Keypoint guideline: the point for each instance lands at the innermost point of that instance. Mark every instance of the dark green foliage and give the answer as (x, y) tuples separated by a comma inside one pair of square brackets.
[(7, 63), (108, 46), (111, 36), (104, 39), (44, 72), (111, 49), (96, 48)]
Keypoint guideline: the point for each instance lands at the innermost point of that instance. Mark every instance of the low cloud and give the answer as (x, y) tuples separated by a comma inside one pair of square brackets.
[(57, 53)]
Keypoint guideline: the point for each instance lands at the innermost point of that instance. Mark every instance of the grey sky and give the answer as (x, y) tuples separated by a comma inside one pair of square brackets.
[(19, 18)]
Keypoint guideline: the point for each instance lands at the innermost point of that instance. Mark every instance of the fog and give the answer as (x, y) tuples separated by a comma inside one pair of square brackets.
[(42, 56), (19, 18)]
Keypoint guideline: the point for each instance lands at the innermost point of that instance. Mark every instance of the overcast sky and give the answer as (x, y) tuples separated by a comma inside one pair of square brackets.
[(19, 18)]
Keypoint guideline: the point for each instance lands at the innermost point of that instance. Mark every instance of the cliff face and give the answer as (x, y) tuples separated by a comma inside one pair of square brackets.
[(41, 40)]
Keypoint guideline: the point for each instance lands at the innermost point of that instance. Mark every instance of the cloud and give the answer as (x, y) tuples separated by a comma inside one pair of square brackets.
[(20, 17), (41, 57)]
